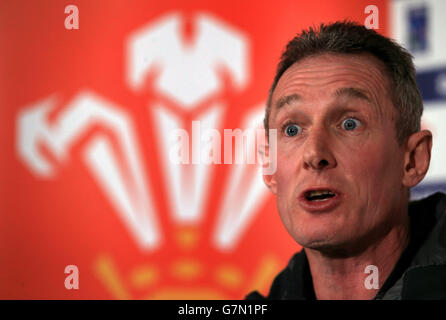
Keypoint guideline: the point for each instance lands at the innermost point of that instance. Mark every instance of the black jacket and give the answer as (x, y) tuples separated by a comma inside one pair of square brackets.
[(420, 272)]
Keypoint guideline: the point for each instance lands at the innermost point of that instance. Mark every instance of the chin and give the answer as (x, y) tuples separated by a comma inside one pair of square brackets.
[(317, 243), (324, 240), (336, 246), (323, 245), (321, 229)]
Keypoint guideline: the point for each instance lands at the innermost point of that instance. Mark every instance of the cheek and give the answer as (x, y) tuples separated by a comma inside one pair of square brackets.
[(284, 184), (286, 173), (376, 171)]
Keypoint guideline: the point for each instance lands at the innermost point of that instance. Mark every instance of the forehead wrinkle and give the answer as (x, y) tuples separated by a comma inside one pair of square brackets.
[(375, 70), (370, 71), (303, 77), (370, 93)]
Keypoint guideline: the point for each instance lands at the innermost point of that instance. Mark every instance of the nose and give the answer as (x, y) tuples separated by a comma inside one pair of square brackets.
[(317, 153)]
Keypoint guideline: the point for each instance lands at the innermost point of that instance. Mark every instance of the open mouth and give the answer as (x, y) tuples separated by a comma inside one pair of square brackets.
[(319, 195)]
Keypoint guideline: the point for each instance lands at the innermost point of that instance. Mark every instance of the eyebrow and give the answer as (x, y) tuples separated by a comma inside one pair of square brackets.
[(353, 93), (349, 92), (287, 100)]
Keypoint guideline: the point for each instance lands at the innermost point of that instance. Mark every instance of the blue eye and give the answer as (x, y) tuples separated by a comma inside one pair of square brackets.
[(350, 124), (292, 130)]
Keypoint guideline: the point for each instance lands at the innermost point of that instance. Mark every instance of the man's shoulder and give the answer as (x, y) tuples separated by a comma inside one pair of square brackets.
[(434, 204), (288, 283), (426, 275), (428, 219)]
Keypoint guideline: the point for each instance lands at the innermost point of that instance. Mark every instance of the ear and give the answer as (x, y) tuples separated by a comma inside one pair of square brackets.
[(270, 181), (268, 177), (417, 157)]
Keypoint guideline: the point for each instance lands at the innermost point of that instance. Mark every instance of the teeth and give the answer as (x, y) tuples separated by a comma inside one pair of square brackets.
[(320, 193)]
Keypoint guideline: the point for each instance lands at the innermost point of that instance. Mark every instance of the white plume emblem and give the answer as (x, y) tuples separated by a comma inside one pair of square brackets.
[(126, 189), (188, 76)]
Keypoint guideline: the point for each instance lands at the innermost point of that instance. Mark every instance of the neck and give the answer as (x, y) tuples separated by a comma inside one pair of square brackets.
[(341, 277)]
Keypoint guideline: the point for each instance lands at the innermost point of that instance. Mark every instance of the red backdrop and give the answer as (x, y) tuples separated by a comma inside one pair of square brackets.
[(66, 217)]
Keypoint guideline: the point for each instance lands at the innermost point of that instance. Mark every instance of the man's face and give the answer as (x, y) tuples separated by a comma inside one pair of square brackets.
[(336, 134)]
